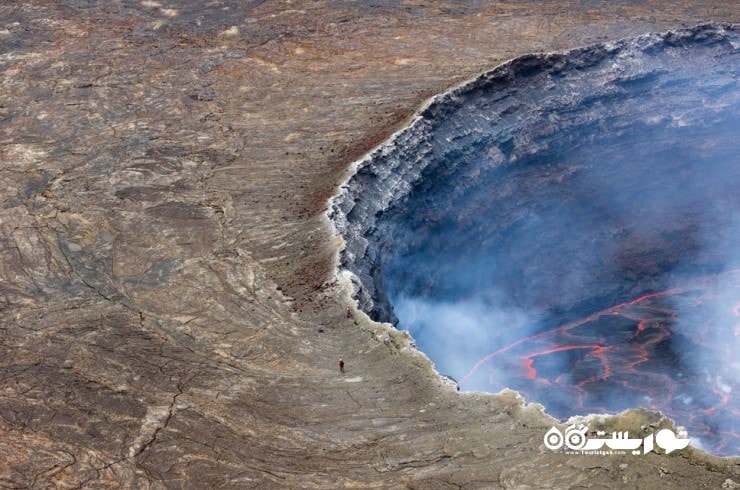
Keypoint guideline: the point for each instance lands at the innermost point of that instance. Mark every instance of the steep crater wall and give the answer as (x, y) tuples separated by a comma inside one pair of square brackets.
[(549, 189)]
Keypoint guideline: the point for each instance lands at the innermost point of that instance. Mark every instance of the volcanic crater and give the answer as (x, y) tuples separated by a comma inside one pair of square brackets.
[(566, 225)]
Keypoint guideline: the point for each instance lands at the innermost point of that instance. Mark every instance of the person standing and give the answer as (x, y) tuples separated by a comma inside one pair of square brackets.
[(341, 365)]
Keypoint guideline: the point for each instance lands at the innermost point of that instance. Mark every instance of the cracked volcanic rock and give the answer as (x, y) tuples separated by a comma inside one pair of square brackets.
[(169, 313)]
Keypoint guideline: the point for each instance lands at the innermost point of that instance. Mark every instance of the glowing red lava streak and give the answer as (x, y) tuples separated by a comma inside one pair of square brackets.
[(673, 351), (725, 400), (597, 350), (640, 328), (569, 326)]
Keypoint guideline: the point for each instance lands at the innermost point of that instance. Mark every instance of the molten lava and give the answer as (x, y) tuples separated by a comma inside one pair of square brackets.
[(659, 351)]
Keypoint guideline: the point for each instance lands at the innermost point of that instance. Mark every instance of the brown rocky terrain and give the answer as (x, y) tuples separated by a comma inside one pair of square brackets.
[(170, 317)]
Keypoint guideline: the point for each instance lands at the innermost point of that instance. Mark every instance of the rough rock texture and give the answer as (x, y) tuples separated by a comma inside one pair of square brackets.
[(169, 317)]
